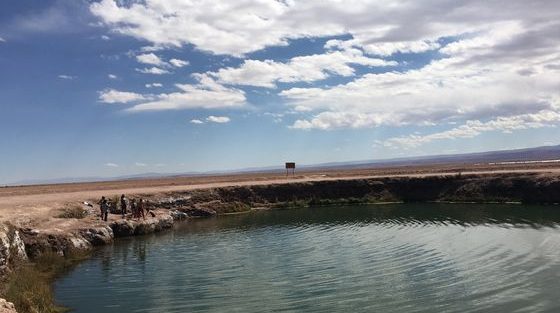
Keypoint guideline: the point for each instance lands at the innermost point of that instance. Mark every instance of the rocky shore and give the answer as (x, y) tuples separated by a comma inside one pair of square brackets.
[(23, 242), (26, 243), (29, 243), (522, 188)]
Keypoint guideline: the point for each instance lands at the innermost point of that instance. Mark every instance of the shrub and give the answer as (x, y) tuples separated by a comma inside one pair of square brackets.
[(236, 207), (29, 291), (28, 286), (75, 211)]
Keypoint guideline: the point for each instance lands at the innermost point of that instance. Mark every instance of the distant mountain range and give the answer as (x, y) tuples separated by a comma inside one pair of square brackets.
[(517, 155)]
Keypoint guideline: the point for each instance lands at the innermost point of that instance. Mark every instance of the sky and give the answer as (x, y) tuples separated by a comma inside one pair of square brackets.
[(108, 88)]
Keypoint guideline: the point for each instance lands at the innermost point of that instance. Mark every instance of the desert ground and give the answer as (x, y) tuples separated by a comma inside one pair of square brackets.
[(37, 205)]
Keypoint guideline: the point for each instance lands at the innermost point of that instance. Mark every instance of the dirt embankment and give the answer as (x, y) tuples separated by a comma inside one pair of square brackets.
[(524, 188)]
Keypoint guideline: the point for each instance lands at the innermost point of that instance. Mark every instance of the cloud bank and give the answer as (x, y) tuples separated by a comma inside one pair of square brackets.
[(490, 67)]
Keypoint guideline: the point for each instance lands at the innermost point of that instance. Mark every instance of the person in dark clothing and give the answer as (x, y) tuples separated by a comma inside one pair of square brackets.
[(104, 206), (134, 208), (100, 202), (123, 205), (141, 209)]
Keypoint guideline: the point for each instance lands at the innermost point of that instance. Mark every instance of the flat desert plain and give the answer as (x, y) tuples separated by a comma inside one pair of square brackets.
[(37, 205)]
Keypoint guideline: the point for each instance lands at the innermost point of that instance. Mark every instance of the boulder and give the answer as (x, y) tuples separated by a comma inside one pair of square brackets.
[(178, 215), (11, 246), (7, 307), (37, 243), (122, 228), (146, 227), (164, 222), (170, 202), (97, 236)]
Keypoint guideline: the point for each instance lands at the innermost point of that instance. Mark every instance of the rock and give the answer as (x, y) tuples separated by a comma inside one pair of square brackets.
[(146, 227), (170, 202), (165, 222), (122, 228), (178, 215), (7, 307), (11, 246), (38, 243), (98, 236), (79, 243), (158, 224)]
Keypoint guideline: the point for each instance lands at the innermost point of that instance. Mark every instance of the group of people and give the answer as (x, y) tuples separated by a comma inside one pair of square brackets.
[(136, 207)]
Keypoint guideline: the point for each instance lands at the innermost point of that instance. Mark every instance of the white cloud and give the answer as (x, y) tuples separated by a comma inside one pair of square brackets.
[(151, 59), (139, 164), (152, 70), (105, 37), (152, 48), (196, 121), (480, 78), (475, 128), (333, 120), (218, 119), (67, 77), (112, 76), (240, 27), (111, 164), (502, 61), (115, 96), (385, 48), (153, 85), (207, 94), (178, 63), (2, 39), (302, 68)]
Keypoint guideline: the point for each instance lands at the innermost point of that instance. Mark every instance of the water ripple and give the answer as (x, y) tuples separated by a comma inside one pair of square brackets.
[(407, 258)]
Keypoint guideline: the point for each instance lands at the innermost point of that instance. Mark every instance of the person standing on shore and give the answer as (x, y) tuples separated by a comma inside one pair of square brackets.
[(134, 208), (141, 209), (100, 202), (104, 208), (123, 205)]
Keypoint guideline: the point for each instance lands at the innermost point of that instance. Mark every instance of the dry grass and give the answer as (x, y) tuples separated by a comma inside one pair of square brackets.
[(75, 211), (29, 284), (30, 291)]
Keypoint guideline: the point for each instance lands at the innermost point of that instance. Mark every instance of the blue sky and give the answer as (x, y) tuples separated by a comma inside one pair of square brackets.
[(108, 88)]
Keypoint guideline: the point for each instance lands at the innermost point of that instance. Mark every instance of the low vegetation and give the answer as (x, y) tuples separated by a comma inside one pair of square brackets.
[(74, 211), (302, 203), (235, 207), (28, 286)]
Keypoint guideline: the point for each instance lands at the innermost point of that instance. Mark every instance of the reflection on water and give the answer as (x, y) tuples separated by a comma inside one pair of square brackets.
[(378, 258)]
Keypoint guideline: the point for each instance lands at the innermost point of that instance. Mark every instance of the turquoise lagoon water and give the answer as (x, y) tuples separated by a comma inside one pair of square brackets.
[(374, 258)]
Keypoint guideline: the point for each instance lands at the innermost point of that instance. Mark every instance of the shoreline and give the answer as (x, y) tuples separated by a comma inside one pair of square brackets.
[(65, 237)]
